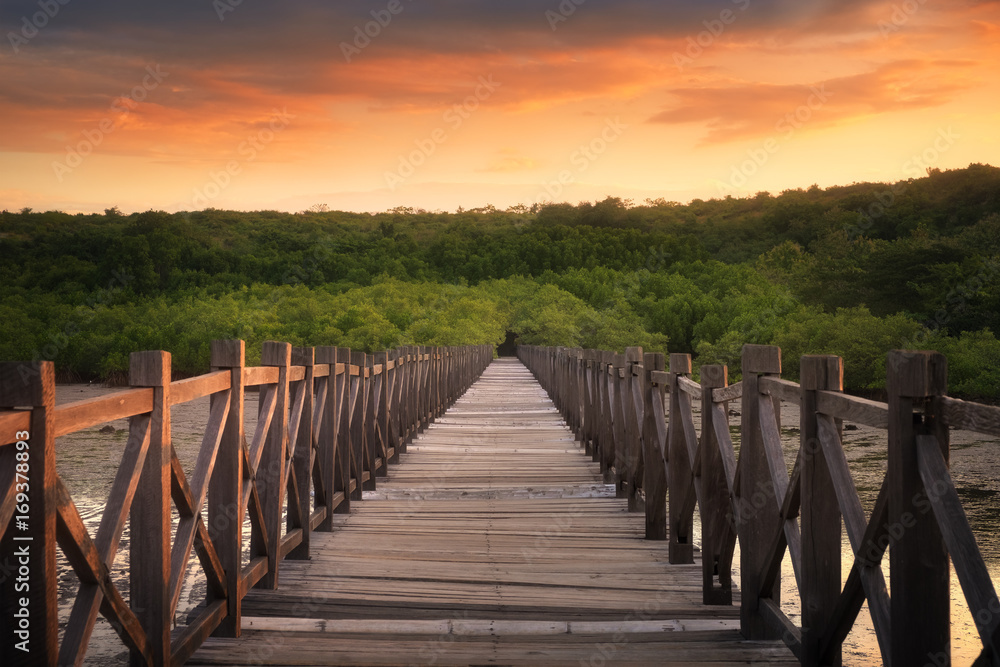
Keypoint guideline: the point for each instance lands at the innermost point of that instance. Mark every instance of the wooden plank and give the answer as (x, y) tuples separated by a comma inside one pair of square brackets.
[(857, 528), (196, 632), (965, 415), (96, 587), (689, 387), (76, 416), (11, 422), (853, 409), (182, 391), (257, 375), (783, 390), (725, 394), (954, 524)]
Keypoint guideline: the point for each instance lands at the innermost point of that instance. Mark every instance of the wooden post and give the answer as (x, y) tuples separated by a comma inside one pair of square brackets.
[(918, 560), (346, 463), (715, 506), (149, 551), (607, 385), (381, 427), (589, 404), (759, 519), (359, 439), (632, 409), (617, 393), (225, 509), (23, 384), (392, 400), (820, 522), (326, 439), (371, 422), (271, 471), (679, 486), (302, 456), (654, 465)]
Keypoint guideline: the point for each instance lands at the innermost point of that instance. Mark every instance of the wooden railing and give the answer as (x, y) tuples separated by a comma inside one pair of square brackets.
[(615, 404), (330, 420)]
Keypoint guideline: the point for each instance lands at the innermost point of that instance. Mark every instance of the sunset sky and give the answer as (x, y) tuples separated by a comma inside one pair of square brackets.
[(437, 104)]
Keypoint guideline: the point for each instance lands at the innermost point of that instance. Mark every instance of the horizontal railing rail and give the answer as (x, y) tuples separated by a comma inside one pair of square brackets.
[(638, 419), (329, 422)]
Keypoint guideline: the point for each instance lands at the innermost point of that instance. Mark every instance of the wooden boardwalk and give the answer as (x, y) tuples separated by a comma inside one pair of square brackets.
[(494, 542)]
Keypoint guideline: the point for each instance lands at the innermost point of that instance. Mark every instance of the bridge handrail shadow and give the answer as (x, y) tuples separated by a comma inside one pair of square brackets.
[(330, 420), (638, 419)]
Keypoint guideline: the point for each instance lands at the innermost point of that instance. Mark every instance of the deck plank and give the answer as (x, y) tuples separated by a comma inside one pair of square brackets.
[(494, 541)]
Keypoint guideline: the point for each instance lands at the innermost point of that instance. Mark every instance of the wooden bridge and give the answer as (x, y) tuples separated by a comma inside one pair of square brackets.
[(427, 506)]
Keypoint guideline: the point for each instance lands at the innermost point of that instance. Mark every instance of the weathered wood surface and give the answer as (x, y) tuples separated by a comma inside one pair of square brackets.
[(494, 542)]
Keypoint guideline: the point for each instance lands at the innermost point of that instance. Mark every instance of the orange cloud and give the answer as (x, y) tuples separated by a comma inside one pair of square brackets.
[(744, 110)]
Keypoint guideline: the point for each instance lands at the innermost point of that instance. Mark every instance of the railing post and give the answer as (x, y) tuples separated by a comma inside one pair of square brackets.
[(347, 456), (679, 487), (271, 471), (392, 380), (326, 439), (759, 517), (918, 560), (607, 388), (589, 404), (381, 427), (371, 422), (302, 456), (715, 506), (820, 513), (654, 465), (149, 550), (23, 384), (225, 509), (620, 450), (632, 410)]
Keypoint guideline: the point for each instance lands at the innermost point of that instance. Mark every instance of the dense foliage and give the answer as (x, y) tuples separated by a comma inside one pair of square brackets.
[(854, 270)]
